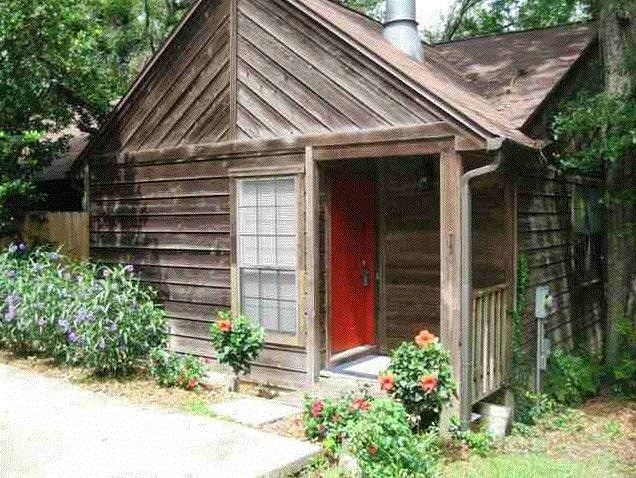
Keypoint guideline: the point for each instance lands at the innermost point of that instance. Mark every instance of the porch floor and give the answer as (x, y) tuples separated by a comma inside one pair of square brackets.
[(368, 367)]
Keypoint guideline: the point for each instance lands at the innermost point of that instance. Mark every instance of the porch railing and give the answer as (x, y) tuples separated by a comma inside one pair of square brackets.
[(489, 340)]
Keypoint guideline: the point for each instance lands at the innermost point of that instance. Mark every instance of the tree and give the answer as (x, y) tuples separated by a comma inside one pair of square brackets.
[(63, 62), (618, 44), (468, 18), (372, 8)]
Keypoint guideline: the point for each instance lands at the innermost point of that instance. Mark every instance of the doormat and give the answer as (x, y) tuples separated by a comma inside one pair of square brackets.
[(368, 366)]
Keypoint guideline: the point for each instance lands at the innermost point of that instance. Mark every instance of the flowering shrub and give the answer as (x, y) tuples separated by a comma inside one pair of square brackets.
[(237, 341), (77, 312), (420, 376), (328, 421), (173, 370), (385, 446)]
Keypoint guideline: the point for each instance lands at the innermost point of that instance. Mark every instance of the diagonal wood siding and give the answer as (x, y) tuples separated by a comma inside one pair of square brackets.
[(295, 77), (184, 98)]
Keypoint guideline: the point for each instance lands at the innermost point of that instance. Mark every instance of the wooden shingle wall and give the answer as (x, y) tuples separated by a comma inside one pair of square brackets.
[(295, 77), (546, 238)]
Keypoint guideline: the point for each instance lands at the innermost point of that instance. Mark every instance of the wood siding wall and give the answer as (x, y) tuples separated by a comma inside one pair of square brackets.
[(546, 238), (410, 242), (295, 77), (185, 96), (172, 221)]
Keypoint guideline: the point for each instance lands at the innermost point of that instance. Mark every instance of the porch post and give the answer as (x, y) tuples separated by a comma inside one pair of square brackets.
[(450, 266), (312, 259)]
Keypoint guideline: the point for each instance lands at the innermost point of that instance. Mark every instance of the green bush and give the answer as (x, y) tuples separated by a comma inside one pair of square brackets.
[(237, 341), (385, 446), (571, 379), (170, 369), (328, 421), (479, 442), (420, 376), (99, 317)]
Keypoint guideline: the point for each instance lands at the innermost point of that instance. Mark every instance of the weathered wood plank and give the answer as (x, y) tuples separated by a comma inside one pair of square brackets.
[(216, 223)]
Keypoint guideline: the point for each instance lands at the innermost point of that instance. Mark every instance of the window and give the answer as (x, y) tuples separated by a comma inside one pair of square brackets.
[(266, 227), (587, 227)]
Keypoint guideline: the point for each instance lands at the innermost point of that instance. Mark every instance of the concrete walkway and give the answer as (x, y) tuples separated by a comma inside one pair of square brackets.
[(51, 429)]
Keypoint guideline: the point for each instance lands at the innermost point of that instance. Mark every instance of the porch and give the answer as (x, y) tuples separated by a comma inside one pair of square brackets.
[(380, 266)]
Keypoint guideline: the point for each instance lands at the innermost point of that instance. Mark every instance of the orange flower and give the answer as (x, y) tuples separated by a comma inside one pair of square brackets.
[(192, 383), (224, 325), (425, 338), (361, 404), (387, 382), (428, 383), (372, 449)]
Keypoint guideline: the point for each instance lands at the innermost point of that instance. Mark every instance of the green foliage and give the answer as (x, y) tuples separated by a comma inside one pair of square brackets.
[(328, 421), (624, 373), (595, 130), (571, 379), (421, 377), (480, 442), (237, 341), (63, 62), (78, 313), (519, 374), (531, 407), (385, 446), (371, 8), (469, 18), (170, 369)]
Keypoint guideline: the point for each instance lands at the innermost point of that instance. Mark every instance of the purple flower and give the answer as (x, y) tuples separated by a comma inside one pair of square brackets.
[(112, 326), (81, 316), (134, 307), (37, 267), (81, 341), (64, 325), (22, 247), (129, 268), (10, 315), (12, 299), (71, 337), (101, 345), (11, 274)]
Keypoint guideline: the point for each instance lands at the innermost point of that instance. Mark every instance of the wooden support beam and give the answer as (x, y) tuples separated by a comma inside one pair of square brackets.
[(233, 68), (370, 139), (312, 266), (450, 262)]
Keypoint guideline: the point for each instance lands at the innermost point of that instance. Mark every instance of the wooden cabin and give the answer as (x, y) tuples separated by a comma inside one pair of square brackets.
[(283, 159)]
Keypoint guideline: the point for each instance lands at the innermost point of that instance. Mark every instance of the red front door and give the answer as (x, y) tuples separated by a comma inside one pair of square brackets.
[(353, 217)]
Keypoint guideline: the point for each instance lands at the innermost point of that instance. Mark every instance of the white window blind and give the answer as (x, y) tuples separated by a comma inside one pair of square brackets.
[(267, 252)]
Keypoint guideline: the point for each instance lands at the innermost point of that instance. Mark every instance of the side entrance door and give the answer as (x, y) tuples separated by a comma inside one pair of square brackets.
[(353, 254)]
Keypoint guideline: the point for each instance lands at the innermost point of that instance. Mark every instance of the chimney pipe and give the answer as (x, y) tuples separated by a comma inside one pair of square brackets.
[(400, 27)]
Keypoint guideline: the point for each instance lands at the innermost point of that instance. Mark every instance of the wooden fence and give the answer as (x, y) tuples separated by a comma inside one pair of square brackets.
[(67, 230), (490, 336)]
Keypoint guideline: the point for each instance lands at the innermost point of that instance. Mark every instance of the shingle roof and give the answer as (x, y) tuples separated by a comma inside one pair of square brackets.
[(517, 70), (499, 80)]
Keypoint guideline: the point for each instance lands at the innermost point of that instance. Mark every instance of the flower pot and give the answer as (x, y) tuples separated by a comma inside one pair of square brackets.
[(496, 417)]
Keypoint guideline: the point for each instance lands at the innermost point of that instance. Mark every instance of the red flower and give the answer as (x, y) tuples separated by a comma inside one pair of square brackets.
[(316, 408), (224, 325), (372, 449), (192, 383), (361, 404), (425, 338), (387, 382), (428, 383)]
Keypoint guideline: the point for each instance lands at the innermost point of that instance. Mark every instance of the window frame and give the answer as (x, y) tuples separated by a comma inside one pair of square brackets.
[(265, 174)]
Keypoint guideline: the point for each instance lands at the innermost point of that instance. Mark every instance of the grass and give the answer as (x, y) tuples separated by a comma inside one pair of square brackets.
[(532, 466)]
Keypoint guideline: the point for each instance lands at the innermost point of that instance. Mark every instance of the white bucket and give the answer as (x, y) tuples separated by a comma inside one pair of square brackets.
[(496, 417)]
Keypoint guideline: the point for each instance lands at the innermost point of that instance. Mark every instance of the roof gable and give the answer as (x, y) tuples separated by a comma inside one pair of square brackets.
[(182, 96)]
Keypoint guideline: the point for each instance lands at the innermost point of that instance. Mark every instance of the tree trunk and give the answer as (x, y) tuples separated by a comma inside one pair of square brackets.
[(617, 37)]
